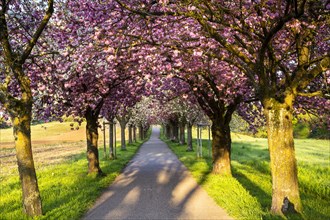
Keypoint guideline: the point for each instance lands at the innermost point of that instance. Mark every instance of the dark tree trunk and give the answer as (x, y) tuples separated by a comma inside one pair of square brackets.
[(134, 133), (111, 140), (92, 142), (175, 131), (220, 116), (168, 131), (145, 131), (130, 134), (22, 133), (182, 133), (189, 137), (221, 148), (122, 134), (282, 156), (164, 130), (140, 132)]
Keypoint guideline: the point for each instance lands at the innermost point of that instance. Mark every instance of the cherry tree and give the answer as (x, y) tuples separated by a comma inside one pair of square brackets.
[(189, 112), (131, 95), (98, 60), (218, 88), (21, 25), (281, 57)]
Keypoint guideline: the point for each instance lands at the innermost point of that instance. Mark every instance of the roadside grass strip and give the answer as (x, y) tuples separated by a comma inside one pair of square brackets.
[(247, 195), (67, 191)]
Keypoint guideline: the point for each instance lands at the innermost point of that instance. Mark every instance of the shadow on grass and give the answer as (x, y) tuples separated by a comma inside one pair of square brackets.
[(251, 168), (263, 197), (252, 159), (226, 191), (77, 193), (66, 189)]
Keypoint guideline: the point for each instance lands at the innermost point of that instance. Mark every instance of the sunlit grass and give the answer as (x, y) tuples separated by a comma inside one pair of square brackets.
[(247, 195), (66, 189)]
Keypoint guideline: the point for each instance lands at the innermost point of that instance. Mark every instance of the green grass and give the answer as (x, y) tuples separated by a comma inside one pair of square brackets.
[(247, 195), (66, 190)]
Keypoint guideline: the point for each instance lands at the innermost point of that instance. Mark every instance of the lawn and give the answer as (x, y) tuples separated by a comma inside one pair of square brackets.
[(66, 190), (248, 194)]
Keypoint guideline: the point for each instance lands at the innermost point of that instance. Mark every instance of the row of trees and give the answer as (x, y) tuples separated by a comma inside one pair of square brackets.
[(63, 63), (267, 60)]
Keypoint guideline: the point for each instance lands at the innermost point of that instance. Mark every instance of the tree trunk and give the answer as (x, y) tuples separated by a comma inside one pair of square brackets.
[(168, 131), (20, 109), (182, 134), (134, 133), (189, 137), (175, 132), (282, 158), (221, 148), (111, 140), (145, 130), (22, 132), (164, 130), (92, 142), (122, 134), (130, 135), (140, 132)]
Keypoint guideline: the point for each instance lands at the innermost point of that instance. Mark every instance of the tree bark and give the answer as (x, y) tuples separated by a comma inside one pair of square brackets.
[(122, 134), (182, 133), (111, 140), (130, 135), (145, 131), (134, 133), (92, 142), (168, 131), (221, 148), (189, 137), (140, 132), (175, 131), (32, 205), (164, 130), (282, 157)]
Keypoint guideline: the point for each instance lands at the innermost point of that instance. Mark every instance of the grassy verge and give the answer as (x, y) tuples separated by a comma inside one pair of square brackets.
[(66, 191), (247, 195)]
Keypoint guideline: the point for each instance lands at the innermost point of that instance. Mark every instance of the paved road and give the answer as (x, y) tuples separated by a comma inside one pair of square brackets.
[(155, 185)]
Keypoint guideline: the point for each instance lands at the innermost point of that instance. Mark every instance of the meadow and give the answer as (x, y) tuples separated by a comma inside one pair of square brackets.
[(247, 195), (66, 190)]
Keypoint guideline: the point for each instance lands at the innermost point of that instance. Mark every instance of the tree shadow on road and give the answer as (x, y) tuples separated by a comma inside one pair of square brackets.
[(163, 190)]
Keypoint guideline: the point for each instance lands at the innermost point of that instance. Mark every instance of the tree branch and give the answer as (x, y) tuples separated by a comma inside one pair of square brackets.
[(304, 77), (38, 32), (312, 94)]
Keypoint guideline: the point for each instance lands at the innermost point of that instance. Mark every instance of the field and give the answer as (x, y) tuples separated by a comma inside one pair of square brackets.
[(52, 143), (61, 165), (248, 194)]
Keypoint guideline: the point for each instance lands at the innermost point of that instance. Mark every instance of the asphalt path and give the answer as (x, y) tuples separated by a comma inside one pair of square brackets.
[(155, 185)]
